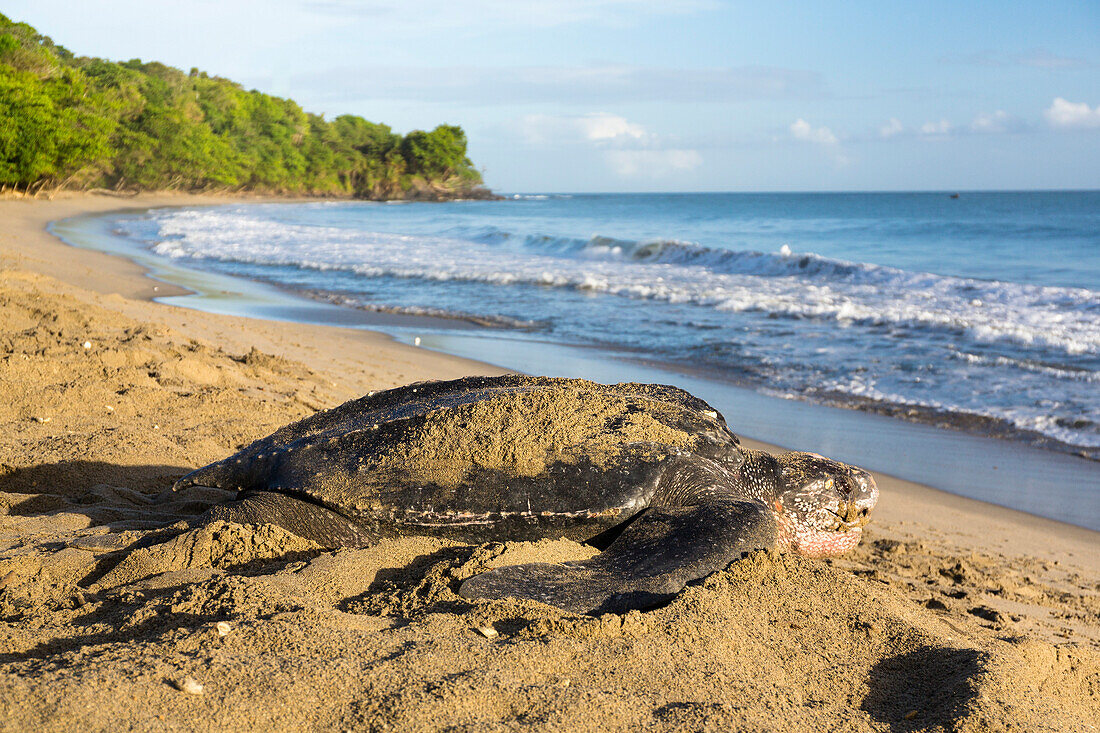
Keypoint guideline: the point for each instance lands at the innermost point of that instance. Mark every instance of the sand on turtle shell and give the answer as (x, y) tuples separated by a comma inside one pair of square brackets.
[(108, 604), (533, 430)]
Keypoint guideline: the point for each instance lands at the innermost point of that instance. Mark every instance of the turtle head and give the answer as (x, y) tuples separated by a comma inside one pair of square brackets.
[(821, 505)]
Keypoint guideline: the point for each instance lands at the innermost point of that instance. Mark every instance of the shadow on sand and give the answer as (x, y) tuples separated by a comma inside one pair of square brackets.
[(105, 492), (926, 688)]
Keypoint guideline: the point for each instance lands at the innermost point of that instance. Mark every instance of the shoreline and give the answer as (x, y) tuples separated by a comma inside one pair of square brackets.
[(108, 275), (964, 612), (105, 274)]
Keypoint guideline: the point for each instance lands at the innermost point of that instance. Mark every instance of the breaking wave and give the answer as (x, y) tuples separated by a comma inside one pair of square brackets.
[(783, 284)]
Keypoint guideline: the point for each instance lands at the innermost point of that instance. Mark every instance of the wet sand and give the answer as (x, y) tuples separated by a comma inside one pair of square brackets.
[(952, 614)]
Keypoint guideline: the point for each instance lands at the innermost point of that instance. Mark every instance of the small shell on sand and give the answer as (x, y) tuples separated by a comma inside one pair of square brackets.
[(190, 686), (223, 628), (487, 631), (87, 344)]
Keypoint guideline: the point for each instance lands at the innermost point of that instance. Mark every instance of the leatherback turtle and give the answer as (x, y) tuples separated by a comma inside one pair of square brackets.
[(647, 473)]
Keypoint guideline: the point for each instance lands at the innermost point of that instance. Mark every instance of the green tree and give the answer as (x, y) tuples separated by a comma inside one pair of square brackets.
[(67, 120), (439, 153)]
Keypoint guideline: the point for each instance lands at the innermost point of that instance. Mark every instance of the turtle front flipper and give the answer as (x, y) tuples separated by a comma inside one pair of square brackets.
[(649, 563)]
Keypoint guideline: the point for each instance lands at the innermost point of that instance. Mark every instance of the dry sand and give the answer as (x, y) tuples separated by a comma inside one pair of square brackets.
[(952, 615)]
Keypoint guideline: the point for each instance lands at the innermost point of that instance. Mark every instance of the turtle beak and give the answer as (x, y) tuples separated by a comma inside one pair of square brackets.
[(850, 516), (861, 497), (855, 515)]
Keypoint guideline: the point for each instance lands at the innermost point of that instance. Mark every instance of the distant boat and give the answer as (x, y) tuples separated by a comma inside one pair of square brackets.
[(954, 195)]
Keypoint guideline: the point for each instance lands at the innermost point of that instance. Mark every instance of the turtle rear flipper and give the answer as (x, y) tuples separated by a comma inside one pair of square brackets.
[(649, 563), (304, 518)]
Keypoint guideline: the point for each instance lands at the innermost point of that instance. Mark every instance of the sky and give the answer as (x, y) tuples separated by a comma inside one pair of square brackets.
[(632, 95)]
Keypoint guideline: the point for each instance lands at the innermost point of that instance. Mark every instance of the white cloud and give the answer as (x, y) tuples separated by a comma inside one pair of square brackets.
[(1063, 113), (943, 127), (984, 123), (803, 130), (892, 127), (627, 148), (652, 163), (995, 122), (609, 127), (597, 126), (823, 136)]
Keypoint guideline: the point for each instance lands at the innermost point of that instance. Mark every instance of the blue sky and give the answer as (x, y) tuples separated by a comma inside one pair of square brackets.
[(624, 95)]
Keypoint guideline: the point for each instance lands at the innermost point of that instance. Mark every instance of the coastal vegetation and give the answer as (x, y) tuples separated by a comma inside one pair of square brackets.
[(70, 121)]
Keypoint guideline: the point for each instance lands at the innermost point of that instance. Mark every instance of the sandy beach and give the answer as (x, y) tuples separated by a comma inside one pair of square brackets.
[(951, 615)]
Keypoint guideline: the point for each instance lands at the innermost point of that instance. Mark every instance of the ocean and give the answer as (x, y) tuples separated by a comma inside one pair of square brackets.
[(980, 312)]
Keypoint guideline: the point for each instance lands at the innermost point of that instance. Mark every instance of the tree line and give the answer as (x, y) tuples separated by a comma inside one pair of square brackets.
[(71, 121)]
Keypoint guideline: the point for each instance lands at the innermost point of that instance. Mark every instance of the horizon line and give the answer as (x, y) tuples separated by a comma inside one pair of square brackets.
[(947, 191)]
